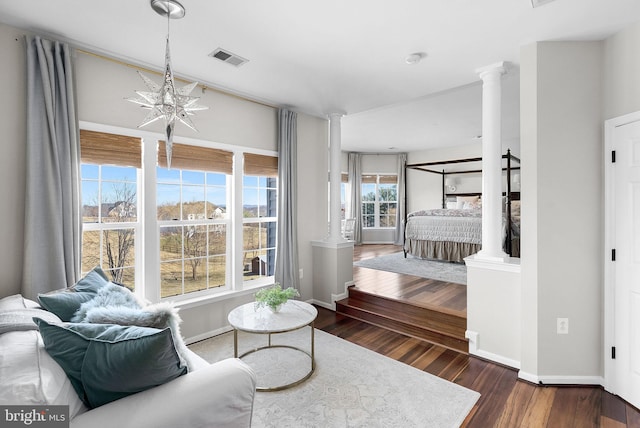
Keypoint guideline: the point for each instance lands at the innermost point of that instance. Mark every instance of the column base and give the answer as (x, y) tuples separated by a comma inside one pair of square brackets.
[(494, 257)]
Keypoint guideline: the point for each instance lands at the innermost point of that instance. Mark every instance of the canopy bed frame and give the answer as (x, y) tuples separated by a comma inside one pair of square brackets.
[(452, 234)]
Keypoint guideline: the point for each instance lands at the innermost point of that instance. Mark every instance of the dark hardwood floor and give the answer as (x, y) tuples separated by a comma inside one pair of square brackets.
[(505, 401)]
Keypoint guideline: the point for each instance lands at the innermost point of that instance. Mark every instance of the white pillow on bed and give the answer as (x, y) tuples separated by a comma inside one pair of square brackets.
[(468, 200), (452, 205)]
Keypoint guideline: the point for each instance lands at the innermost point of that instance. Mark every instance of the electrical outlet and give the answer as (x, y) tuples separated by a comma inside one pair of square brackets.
[(301, 273), (563, 325)]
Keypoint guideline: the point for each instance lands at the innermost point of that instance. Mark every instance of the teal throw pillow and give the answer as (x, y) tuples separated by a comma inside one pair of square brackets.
[(106, 362), (65, 303)]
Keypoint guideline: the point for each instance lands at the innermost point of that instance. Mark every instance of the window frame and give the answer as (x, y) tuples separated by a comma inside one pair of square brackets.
[(147, 258), (376, 202)]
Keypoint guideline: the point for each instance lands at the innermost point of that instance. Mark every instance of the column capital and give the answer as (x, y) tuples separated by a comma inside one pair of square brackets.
[(336, 115), (499, 68)]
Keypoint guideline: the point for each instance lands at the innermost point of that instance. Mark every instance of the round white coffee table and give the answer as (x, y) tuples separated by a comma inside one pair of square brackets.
[(293, 315)]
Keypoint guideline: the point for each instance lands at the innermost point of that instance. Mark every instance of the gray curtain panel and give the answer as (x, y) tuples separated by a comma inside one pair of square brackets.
[(52, 200), (355, 184), (402, 179), (286, 272)]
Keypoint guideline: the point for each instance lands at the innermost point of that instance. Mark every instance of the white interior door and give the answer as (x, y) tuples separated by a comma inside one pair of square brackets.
[(623, 275)]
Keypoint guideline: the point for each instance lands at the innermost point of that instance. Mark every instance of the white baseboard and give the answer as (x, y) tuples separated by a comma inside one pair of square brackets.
[(528, 377), (331, 307), (571, 380), (496, 358), (472, 336), (561, 380), (207, 335)]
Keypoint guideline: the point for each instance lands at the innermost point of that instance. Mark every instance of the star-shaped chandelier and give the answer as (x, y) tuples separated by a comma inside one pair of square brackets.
[(165, 100)]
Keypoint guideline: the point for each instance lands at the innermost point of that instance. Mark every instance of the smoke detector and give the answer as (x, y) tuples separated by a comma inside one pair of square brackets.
[(228, 57)]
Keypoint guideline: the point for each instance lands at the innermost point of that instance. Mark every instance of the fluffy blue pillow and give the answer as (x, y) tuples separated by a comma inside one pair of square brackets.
[(65, 303), (106, 362)]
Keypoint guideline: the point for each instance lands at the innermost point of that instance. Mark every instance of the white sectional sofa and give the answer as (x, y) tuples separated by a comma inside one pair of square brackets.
[(217, 395)]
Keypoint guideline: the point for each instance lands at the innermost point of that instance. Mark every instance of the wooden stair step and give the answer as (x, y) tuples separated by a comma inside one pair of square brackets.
[(446, 321), (444, 328)]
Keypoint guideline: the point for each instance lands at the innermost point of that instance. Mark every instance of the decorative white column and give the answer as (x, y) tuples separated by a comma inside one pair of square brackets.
[(491, 163), (333, 256), (335, 141)]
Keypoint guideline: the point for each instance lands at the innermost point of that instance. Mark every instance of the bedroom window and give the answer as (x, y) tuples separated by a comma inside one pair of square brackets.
[(379, 200), (259, 204), (110, 199), (193, 218)]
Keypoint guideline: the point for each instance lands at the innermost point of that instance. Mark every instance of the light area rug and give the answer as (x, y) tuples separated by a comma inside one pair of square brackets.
[(351, 386), (443, 271)]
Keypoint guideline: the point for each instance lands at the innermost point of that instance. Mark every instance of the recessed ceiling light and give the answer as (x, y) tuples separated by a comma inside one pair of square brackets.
[(415, 58)]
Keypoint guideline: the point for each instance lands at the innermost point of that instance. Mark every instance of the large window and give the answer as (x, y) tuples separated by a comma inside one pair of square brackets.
[(110, 201), (183, 237), (259, 205), (379, 200), (192, 209)]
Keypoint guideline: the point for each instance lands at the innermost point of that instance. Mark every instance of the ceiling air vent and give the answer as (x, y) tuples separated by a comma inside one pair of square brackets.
[(228, 57)]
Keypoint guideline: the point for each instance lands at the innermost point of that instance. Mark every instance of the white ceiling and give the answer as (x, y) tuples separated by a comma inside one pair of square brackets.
[(325, 56)]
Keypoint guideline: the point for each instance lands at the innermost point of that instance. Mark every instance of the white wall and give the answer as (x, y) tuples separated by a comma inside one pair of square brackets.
[(102, 86), (12, 161), (622, 73), (424, 189), (562, 240), (493, 308)]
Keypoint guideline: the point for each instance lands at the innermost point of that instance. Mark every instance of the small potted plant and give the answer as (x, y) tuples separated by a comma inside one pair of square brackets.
[(274, 297)]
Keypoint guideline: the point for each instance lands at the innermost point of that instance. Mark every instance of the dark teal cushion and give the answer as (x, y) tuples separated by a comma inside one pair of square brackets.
[(65, 303), (105, 362)]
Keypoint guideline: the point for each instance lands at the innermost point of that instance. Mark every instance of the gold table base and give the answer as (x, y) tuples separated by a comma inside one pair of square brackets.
[(270, 346)]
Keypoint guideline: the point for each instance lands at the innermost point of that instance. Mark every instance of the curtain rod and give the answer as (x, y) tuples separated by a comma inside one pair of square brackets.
[(148, 70)]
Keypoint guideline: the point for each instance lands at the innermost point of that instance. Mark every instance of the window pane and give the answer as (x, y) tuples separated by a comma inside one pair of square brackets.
[(90, 250), (193, 207), (90, 201), (119, 173), (216, 202), (217, 239), (387, 192), (168, 200), (217, 271), (251, 235), (118, 202), (195, 274), (368, 221), (192, 177), (249, 180), (368, 192), (119, 249), (255, 265), (170, 278), (88, 171), (250, 203), (168, 175), (171, 243), (216, 179)]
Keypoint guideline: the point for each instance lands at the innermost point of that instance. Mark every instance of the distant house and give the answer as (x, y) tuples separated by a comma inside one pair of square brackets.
[(218, 212), (259, 265), (121, 209)]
